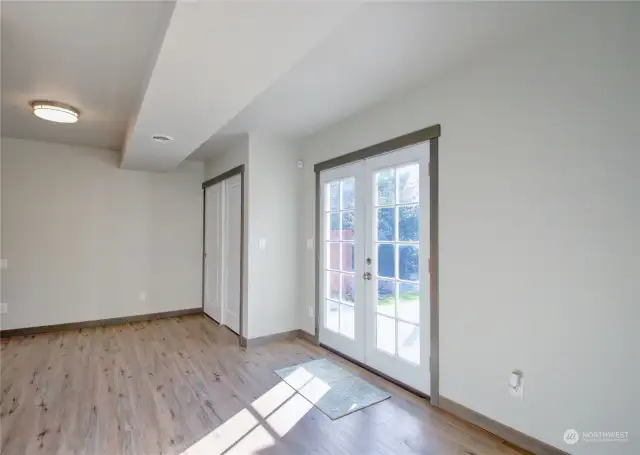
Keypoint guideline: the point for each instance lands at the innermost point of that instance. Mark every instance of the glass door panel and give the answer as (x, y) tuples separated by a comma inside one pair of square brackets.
[(398, 307), (341, 291)]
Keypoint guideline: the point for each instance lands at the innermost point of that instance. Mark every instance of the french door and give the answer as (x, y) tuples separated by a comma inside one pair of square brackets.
[(374, 274)]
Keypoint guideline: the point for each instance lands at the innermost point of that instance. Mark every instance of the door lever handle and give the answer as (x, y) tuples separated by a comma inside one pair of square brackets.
[(366, 275)]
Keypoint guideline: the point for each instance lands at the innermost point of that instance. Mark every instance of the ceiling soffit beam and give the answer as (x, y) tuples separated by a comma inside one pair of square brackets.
[(216, 58)]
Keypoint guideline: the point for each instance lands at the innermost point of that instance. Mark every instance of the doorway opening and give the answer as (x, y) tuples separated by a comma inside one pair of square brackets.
[(376, 257)]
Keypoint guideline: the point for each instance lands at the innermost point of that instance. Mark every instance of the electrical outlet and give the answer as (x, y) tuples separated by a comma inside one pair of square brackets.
[(4, 264), (311, 312), (4, 308), (309, 244), (142, 296)]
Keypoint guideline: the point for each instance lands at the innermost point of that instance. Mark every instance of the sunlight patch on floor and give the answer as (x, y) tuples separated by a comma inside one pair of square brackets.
[(271, 415)]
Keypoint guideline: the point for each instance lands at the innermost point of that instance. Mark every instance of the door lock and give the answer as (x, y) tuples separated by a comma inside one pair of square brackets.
[(366, 275), (368, 261)]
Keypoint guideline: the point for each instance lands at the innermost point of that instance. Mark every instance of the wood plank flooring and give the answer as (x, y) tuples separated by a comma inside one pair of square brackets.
[(163, 387)]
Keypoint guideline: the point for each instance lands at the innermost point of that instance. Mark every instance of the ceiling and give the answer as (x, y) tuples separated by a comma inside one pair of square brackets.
[(383, 49), (96, 56), (206, 72)]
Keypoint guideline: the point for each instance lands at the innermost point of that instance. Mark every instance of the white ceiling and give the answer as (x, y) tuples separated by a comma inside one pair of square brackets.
[(96, 56), (379, 51), (205, 72)]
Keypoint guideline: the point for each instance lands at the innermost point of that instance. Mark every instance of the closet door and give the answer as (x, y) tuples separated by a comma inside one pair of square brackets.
[(213, 252), (232, 252)]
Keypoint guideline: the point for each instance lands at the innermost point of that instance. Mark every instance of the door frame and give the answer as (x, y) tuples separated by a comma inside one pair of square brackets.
[(431, 134), (242, 339)]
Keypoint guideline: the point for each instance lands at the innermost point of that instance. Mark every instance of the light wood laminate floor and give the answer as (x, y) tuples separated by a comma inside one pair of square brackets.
[(181, 385)]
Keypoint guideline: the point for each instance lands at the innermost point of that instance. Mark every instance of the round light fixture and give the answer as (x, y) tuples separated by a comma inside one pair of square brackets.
[(161, 138), (55, 111)]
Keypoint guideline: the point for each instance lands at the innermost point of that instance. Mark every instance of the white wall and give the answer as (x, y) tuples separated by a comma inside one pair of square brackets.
[(84, 239), (225, 161), (539, 209), (270, 213), (273, 274)]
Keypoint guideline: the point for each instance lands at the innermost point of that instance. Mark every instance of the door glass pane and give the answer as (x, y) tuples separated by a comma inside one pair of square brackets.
[(348, 225), (386, 224), (386, 260), (347, 321), (348, 288), (409, 268), (333, 226), (347, 257), (333, 199), (386, 187), (386, 298), (386, 334), (408, 183), (408, 223), (409, 342), (333, 255), (333, 285), (348, 194), (331, 317), (409, 302)]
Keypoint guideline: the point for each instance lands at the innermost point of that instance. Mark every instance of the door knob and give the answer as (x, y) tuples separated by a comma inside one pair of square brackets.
[(366, 275)]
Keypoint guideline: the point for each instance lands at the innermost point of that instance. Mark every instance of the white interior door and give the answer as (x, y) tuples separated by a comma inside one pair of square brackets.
[(373, 268), (232, 252), (213, 252)]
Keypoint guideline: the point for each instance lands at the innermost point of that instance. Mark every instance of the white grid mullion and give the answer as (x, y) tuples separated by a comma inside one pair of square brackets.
[(395, 242), (399, 204), (396, 261)]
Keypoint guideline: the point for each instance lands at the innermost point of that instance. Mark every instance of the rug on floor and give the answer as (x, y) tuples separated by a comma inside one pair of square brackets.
[(333, 390)]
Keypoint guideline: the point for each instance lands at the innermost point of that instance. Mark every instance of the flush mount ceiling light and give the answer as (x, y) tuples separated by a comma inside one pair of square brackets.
[(55, 111), (162, 138)]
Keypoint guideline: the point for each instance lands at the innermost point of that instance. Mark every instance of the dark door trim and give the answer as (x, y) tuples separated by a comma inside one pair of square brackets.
[(224, 176), (416, 137), (431, 134)]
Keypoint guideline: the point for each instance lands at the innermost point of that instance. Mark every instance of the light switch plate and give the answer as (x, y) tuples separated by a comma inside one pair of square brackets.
[(311, 312), (142, 296), (262, 244), (4, 308), (4, 264), (309, 244), (518, 392)]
